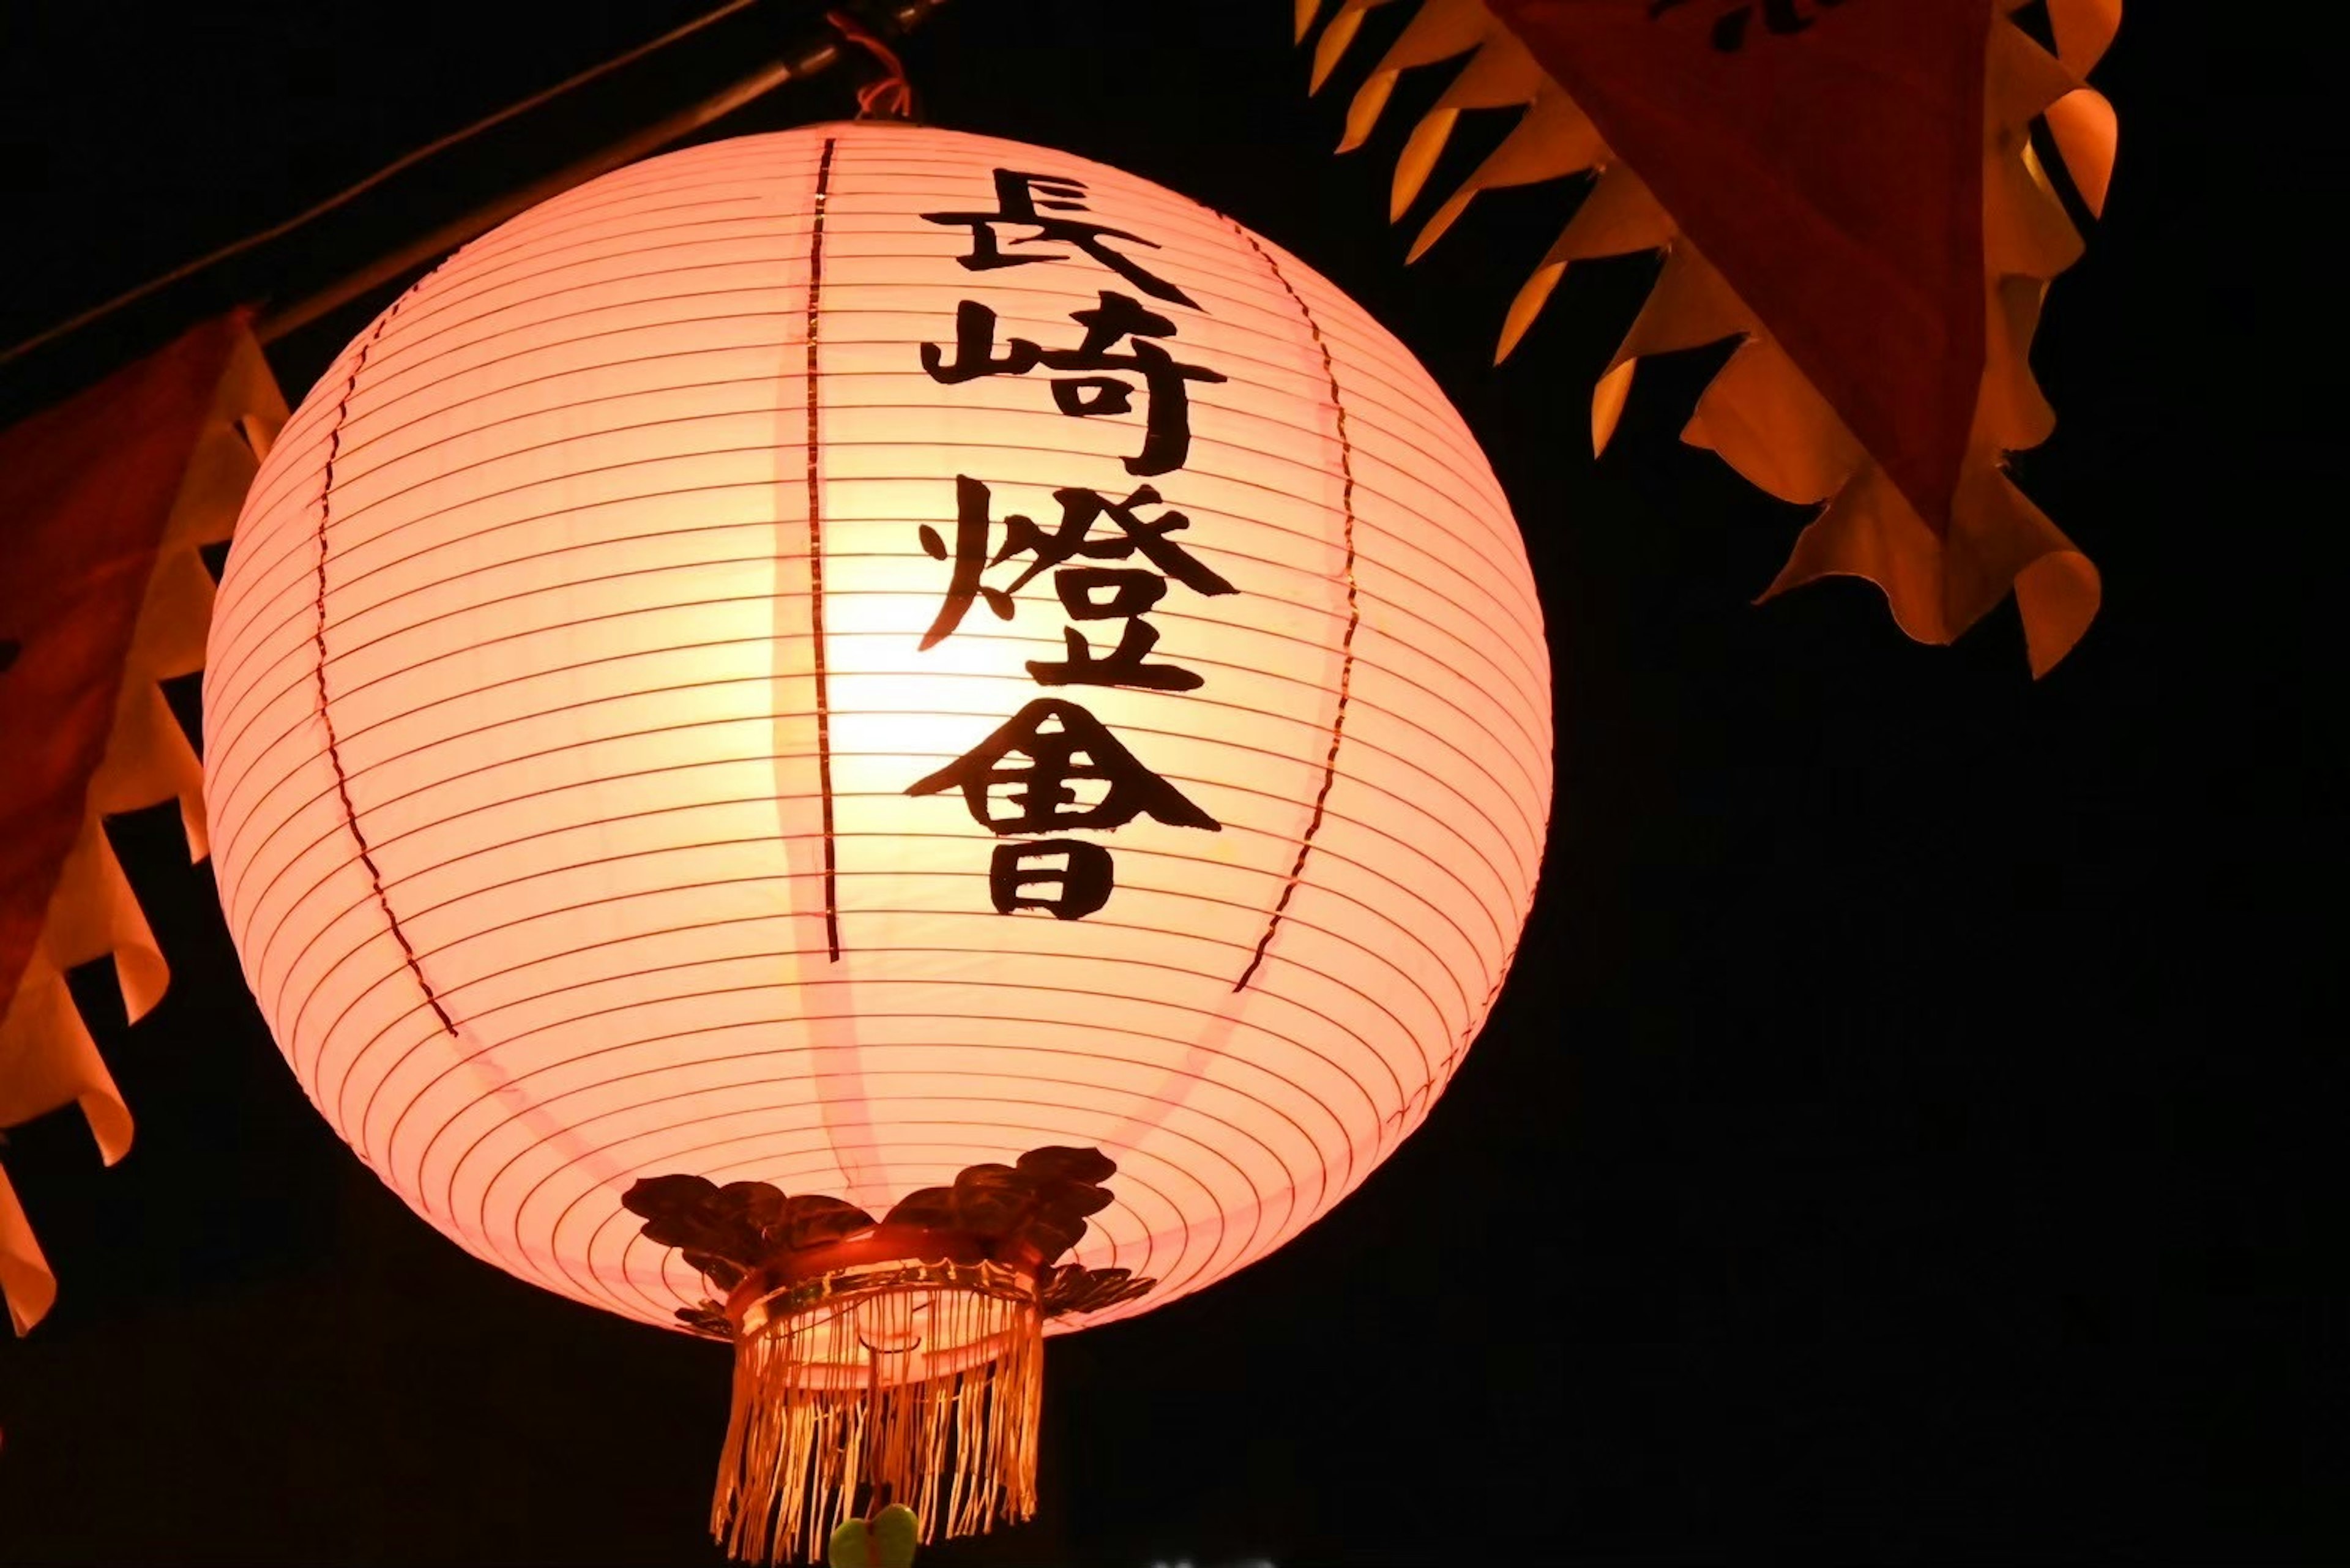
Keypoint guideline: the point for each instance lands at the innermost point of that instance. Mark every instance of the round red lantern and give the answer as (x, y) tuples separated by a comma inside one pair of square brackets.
[(874, 742)]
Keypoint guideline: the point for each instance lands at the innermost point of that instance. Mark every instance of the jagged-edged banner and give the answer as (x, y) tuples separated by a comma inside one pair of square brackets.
[(105, 503), (1847, 186)]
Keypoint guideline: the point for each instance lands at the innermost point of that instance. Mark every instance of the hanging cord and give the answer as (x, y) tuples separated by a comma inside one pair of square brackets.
[(350, 193), (892, 97)]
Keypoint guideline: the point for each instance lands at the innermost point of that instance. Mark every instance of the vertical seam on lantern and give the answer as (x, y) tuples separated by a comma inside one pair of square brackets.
[(326, 708), (816, 560), (1354, 613)]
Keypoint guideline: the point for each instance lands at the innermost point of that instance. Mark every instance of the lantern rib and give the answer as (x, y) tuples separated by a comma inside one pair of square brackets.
[(816, 557), (1467, 843), (1495, 685), (582, 227), (595, 235), (949, 1155), (1360, 824), (1319, 972), (1333, 977), (1489, 610), (1404, 928), (1448, 465), (1406, 888), (1507, 735), (1443, 464), (1347, 638), (1491, 605), (326, 708), (1516, 806), (1525, 876), (1306, 1092), (1457, 454), (1132, 1179), (1410, 891), (395, 372), (1517, 615), (773, 1168), (1259, 1206), (1515, 703), (1362, 1086), (1177, 971), (815, 1149)]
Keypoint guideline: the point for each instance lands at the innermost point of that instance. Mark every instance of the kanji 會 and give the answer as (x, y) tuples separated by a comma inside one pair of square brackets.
[(1022, 778)]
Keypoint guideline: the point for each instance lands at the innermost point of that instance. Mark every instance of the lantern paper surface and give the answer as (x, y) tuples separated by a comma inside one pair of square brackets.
[(827, 657)]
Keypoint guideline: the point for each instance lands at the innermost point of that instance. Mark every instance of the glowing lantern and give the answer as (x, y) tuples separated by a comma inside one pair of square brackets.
[(874, 742)]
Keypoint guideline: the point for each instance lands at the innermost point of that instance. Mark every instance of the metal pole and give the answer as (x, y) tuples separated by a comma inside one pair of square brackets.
[(276, 324), (816, 57)]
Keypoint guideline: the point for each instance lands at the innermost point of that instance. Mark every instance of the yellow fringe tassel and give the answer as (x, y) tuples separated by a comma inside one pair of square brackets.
[(923, 1378)]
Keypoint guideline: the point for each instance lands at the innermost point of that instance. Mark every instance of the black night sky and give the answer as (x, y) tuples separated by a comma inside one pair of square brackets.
[(1894, 1144)]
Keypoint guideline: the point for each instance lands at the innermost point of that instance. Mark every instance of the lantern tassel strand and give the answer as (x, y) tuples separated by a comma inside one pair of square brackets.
[(811, 1436)]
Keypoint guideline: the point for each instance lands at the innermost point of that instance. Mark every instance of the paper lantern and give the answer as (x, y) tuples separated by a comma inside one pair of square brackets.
[(875, 671)]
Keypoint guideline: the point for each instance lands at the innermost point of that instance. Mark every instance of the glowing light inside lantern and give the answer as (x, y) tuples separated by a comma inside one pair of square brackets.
[(586, 798)]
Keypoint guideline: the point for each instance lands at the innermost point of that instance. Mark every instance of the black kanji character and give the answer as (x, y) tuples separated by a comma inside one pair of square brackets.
[(1023, 877), (1080, 510), (1030, 199), (1065, 745), (1133, 592), (963, 585), (1167, 423)]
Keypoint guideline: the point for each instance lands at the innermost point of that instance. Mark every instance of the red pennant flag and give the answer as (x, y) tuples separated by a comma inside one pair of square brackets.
[(85, 491), (106, 502), (1826, 157)]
